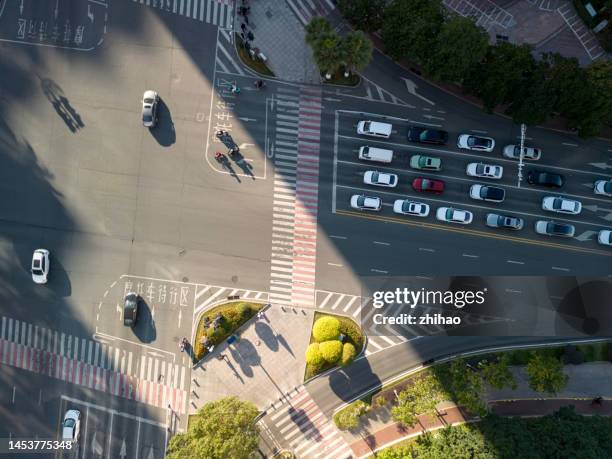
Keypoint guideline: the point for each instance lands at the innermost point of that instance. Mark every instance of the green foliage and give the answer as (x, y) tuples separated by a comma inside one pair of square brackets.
[(317, 28), (331, 351), (222, 429), (460, 46), (534, 100), (497, 373), (410, 27), (420, 397), (467, 387), (348, 418), (563, 435), (326, 328), (545, 373), (499, 77), (348, 354), (313, 355), (356, 51), (364, 14)]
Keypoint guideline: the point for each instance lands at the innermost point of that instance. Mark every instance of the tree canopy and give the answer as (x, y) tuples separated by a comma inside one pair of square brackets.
[(221, 429)]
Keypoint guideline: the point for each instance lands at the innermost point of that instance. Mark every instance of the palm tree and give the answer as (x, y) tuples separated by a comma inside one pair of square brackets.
[(327, 53), (356, 52), (316, 28)]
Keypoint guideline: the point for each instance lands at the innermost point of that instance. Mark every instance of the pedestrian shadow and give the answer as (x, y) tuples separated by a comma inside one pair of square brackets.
[(61, 104), (227, 165), (164, 132), (243, 164), (245, 354), (270, 338), (302, 420)]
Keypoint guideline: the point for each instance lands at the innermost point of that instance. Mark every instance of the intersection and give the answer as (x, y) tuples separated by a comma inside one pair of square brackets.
[(126, 209)]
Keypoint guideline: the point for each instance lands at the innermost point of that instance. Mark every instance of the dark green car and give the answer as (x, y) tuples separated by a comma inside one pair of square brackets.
[(425, 163)]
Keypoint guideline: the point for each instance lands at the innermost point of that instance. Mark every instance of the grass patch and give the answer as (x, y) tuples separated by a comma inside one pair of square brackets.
[(339, 78), (233, 316), (594, 352), (255, 64), (352, 334)]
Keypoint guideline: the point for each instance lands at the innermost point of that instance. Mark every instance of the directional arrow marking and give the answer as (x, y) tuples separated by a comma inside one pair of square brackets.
[(412, 87), (122, 452), (96, 447), (596, 208), (586, 235), (600, 165), (331, 99), (247, 119), (432, 117)]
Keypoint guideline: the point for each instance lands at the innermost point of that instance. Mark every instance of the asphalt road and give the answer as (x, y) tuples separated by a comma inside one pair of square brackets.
[(340, 386), (354, 243)]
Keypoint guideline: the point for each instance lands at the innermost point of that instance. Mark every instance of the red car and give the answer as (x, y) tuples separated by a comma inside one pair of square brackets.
[(428, 185)]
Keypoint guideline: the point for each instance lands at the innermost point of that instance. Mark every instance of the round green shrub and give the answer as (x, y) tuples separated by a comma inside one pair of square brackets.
[(326, 329), (348, 353), (331, 351), (313, 355)]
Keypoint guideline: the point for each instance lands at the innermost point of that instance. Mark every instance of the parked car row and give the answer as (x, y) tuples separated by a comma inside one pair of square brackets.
[(478, 191), (465, 217)]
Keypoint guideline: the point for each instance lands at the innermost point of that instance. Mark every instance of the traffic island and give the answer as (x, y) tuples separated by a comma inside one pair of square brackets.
[(252, 57), (219, 323), (334, 341)]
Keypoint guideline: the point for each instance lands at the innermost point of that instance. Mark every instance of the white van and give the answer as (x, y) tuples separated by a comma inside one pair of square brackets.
[(379, 155), (374, 129)]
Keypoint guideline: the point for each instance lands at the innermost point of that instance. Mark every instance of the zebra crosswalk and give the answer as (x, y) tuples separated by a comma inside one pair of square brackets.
[(92, 364), (305, 10), (301, 427), (296, 183), (216, 12), (208, 295), (226, 60)]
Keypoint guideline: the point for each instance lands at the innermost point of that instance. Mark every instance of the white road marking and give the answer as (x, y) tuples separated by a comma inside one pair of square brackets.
[(335, 264), (381, 243), (569, 144), (425, 249), (515, 262), (467, 255), (379, 271), (338, 237), (556, 268)]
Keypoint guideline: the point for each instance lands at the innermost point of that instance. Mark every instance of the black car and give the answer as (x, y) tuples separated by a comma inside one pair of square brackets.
[(504, 221), (130, 309), (547, 179), (425, 135)]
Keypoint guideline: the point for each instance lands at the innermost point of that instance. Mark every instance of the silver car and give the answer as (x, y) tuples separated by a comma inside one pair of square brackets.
[(150, 100), (561, 205), (514, 152)]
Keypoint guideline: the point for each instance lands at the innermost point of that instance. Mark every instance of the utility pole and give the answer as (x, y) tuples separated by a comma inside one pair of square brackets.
[(521, 155)]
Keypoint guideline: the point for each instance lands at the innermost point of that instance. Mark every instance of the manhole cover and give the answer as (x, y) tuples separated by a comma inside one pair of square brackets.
[(234, 279), (185, 279)]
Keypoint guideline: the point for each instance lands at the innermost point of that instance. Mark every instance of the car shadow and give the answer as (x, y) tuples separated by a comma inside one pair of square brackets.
[(164, 131), (145, 329)]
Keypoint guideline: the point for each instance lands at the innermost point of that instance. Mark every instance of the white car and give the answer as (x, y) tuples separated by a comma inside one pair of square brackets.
[(40, 266), (605, 237), (450, 215), (363, 202), (561, 205), (484, 170), (408, 207), (149, 108), (476, 143), (487, 193), (380, 179), (71, 426), (514, 152), (603, 187)]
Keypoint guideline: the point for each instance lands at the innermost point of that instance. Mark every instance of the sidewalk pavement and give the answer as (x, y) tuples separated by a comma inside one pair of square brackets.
[(264, 364), (280, 36), (587, 381)]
